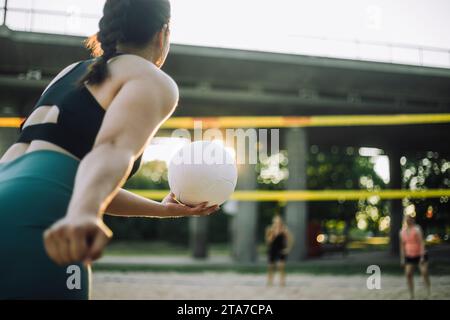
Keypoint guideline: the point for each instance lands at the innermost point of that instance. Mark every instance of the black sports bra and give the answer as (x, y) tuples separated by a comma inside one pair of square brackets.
[(80, 116)]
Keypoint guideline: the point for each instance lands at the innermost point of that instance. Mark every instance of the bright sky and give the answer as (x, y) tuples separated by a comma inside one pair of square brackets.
[(282, 25), (380, 161)]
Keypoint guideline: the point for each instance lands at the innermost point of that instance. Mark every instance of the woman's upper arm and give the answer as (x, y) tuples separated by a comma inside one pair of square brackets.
[(136, 113)]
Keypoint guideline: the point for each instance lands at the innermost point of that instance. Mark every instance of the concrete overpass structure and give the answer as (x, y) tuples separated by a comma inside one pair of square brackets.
[(218, 82)]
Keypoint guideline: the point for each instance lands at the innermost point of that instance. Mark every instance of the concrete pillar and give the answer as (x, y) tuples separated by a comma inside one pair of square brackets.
[(198, 237), (8, 137), (396, 205), (296, 143), (244, 223)]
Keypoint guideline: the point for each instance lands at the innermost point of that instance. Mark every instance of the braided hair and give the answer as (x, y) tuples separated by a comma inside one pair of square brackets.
[(130, 22)]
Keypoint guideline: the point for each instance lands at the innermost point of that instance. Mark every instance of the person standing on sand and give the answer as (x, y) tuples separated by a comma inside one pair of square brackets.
[(279, 241), (413, 253)]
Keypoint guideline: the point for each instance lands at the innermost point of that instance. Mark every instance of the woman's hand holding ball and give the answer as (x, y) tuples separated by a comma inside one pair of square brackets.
[(178, 209)]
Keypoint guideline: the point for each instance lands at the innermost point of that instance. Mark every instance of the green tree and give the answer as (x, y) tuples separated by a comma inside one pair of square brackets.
[(428, 170)]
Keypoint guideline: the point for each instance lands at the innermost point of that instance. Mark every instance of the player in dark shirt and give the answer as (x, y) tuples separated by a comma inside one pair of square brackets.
[(279, 241)]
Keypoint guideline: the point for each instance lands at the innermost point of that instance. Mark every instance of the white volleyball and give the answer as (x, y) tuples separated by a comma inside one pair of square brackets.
[(203, 171)]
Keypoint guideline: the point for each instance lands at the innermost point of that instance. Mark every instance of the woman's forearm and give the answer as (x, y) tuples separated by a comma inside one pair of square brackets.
[(128, 204), (100, 175)]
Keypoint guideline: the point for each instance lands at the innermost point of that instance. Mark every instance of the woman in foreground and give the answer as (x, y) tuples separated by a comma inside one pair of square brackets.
[(81, 143)]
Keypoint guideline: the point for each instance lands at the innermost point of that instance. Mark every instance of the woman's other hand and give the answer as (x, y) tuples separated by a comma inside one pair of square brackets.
[(74, 239)]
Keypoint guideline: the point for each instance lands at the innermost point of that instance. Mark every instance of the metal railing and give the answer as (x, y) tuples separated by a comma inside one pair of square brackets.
[(32, 12), (353, 49), (422, 55), (32, 19)]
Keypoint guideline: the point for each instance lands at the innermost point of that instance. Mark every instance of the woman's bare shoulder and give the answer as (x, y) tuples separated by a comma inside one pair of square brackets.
[(129, 67)]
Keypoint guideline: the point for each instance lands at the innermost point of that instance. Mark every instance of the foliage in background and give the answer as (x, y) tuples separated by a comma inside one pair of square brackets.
[(343, 168), (428, 171), (330, 168), (327, 168)]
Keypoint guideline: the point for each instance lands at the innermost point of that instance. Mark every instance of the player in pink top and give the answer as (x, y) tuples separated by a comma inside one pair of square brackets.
[(412, 253)]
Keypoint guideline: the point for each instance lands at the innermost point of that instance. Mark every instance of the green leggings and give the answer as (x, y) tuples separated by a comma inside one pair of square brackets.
[(35, 191)]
